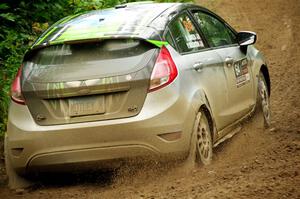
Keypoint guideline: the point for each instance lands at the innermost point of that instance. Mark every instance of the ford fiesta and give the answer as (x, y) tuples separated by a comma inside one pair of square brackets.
[(137, 80)]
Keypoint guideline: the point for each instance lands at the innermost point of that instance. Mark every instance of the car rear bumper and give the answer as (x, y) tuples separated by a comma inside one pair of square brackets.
[(33, 146)]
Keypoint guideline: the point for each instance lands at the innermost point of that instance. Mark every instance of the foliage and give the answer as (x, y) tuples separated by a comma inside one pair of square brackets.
[(21, 22)]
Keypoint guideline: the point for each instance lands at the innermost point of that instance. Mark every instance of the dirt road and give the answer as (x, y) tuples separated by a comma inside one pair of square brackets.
[(253, 164)]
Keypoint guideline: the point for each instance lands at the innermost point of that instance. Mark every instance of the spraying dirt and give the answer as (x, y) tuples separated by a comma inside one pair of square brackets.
[(255, 163)]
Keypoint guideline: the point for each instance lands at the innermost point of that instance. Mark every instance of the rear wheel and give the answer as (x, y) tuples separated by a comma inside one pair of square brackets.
[(203, 139), (201, 142), (263, 101), (14, 180)]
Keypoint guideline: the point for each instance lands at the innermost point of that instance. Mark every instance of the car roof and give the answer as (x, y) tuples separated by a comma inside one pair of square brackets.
[(126, 20)]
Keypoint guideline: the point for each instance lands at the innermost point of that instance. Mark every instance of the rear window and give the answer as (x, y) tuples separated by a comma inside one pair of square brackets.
[(98, 24), (66, 62), (86, 52)]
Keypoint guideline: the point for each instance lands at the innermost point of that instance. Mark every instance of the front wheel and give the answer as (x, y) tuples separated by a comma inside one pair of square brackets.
[(263, 102)]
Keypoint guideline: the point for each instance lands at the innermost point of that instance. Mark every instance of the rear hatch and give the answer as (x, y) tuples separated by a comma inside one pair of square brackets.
[(82, 82)]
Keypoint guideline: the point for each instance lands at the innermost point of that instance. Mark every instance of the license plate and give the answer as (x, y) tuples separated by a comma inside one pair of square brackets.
[(89, 105)]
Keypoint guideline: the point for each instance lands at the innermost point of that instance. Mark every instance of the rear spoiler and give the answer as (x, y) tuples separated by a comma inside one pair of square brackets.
[(35, 48)]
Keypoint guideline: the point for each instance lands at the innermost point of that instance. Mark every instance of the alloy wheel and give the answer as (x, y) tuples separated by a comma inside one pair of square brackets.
[(264, 100), (204, 141)]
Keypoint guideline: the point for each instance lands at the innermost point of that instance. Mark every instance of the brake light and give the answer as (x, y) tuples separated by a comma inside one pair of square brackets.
[(164, 71), (16, 92)]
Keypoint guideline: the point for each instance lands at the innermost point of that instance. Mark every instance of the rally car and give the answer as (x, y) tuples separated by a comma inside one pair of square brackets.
[(136, 80)]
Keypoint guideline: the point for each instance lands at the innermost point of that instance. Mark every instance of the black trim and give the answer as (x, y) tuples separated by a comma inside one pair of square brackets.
[(210, 48)]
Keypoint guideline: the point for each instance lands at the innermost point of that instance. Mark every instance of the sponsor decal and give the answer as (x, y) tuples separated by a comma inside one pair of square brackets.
[(193, 39), (241, 72), (188, 25)]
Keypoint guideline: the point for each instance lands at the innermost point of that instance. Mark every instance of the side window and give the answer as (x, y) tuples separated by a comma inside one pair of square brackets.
[(216, 32), (185, 34)]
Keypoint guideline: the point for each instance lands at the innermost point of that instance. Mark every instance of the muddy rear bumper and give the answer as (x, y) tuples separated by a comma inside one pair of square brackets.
[(33, 146), (87, 159)]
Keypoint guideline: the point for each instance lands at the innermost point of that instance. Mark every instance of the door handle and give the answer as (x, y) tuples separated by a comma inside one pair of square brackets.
[(229, 61), (198, 66)]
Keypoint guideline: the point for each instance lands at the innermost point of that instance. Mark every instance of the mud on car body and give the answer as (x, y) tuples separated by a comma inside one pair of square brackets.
[(138, 80)]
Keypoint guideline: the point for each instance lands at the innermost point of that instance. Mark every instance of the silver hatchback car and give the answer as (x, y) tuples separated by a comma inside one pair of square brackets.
[(137, 80)]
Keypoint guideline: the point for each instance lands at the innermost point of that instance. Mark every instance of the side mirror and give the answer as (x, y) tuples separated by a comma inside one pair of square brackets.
[(246, 38)]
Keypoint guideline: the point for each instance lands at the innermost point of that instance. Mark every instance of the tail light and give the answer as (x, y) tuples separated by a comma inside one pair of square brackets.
[(16, 92), (164, 71)]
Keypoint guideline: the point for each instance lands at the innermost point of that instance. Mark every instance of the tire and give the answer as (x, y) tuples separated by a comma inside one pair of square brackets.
[(263, 100), (15, 181), (201, 144)]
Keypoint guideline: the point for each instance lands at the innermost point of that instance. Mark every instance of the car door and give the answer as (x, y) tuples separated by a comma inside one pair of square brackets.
[(236, 64), (200, 69)]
